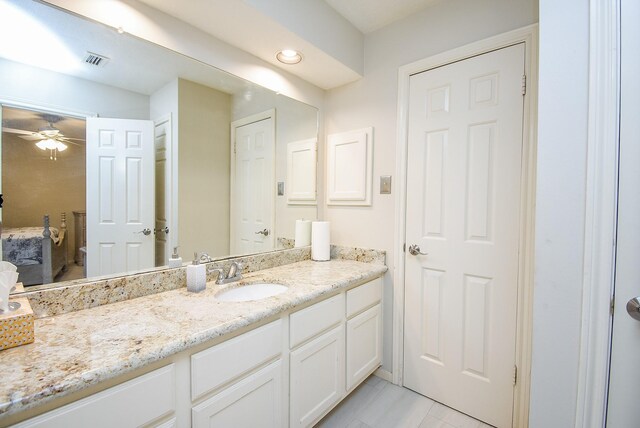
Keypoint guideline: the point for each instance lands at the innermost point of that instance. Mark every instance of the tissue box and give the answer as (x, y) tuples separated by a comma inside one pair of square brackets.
[(16, 327), (19, 288)]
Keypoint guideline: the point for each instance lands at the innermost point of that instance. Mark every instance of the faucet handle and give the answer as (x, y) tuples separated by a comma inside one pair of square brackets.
[(234, 270)]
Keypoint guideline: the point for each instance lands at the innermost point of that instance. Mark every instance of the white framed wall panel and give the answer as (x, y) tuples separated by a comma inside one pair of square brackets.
[(301, 172), (350, 167)]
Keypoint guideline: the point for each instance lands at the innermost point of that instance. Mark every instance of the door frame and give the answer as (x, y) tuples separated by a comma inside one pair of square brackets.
[(267, 114), (40, 107), (601, 216), (170, 182), (529, 36)]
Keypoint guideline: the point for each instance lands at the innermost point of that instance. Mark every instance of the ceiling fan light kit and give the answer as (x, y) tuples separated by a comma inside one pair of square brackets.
[(46, 138)]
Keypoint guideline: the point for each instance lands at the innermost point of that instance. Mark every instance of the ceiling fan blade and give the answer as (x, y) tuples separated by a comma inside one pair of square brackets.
[(33, 137), (77, 139), (17, 131), (64, 140)]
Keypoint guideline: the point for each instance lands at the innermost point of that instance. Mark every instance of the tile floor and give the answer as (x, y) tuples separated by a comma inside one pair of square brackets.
[(378, 403), (73, 272)]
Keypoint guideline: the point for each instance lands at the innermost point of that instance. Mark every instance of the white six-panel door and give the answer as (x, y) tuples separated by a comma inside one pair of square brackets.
[(463, 201), (623, 409), (120, 195), (254, 191)]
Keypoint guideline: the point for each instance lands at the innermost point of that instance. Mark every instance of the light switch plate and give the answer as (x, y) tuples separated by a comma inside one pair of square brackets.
[(385, 184), (280, 188)]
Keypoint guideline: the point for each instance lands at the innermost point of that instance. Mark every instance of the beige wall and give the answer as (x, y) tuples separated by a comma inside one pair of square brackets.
[(204, 115), (33, 185)]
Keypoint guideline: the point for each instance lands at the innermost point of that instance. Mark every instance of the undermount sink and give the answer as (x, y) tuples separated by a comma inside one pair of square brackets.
[(246, 293)]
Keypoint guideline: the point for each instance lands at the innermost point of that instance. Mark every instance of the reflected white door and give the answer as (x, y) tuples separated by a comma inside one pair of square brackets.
[(254, 189), (163, 187), (463, 203), (623, 409), (120, 196)]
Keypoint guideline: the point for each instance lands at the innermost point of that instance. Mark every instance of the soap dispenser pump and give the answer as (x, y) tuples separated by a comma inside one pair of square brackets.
[(196, 275), (175, 261)]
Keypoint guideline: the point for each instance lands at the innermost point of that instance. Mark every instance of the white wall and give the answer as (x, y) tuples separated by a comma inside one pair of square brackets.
[(372, 101), (560, 213), (61, 92), (295, 121)]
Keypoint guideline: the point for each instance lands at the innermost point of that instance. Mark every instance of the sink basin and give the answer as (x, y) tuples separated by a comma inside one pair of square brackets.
[(246, 293)]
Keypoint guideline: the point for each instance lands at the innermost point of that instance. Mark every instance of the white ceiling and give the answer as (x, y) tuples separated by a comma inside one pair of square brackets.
[(32, 121), (239, 24), (371, 15), (255, 30), (52, 39)]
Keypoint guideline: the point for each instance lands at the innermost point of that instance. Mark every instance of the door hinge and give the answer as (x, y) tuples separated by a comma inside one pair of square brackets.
[(404, 247), (524, 84), (612, 307), (515, 375)]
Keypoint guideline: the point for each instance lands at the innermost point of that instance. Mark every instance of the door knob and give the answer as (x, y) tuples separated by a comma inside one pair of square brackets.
[(146, 231), (414, 250), (164, 229), (264, 232), (633, 308)]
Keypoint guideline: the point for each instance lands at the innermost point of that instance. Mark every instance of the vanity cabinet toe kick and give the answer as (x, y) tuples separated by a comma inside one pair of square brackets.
[(289, 372)]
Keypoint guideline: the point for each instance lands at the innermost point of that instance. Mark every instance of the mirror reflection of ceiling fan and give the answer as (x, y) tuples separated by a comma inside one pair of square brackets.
[(46, 138)]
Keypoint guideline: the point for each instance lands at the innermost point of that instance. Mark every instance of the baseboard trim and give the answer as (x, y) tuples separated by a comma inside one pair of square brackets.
[(384, 374)]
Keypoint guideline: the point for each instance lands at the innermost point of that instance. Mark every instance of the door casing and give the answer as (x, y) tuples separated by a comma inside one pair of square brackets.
[(529, 36)]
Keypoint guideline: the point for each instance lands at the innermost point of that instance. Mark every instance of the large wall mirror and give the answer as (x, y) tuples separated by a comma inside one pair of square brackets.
[(115, 151)]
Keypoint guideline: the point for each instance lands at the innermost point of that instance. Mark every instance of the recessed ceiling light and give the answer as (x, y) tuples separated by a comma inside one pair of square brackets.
[(289, 56)]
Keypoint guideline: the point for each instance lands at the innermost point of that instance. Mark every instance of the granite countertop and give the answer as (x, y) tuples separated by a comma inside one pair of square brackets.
[(78, 349)]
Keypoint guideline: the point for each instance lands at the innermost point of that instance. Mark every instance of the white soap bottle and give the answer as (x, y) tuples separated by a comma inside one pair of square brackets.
[(175, 261), (196, 275)]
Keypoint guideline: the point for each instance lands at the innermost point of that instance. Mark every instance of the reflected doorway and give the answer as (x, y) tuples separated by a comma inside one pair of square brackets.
[(43, 174)]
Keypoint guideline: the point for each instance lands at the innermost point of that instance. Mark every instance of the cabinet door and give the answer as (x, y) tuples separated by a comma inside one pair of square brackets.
[(255, 401), (317, 377), (364, 345), (134, 403)]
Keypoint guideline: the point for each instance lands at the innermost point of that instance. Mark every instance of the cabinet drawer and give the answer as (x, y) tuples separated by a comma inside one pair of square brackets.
[(364, 296), (131, 404), (315, 319), (222, 363)]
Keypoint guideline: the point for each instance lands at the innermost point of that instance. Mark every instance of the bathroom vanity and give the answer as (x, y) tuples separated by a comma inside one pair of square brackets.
[(179, 359)]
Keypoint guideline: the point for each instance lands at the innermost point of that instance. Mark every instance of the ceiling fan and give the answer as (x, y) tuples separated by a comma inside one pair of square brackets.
[(47, 138)]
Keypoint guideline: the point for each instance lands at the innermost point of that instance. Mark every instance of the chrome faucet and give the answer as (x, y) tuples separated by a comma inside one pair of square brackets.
[(205, 258), (234, 274), (219, 277)]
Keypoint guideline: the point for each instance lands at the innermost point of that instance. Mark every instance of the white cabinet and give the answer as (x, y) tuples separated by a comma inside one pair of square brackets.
[(364, 345), (255, 401), (246, 397), (329, 363), (132, 404), (290, 372), (317, 377), (220, 364)]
